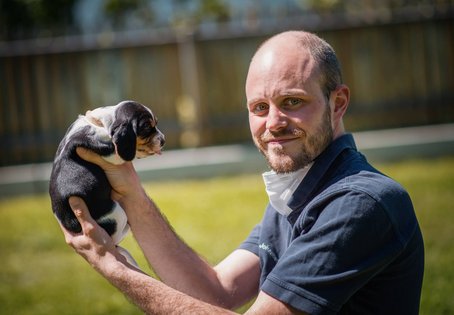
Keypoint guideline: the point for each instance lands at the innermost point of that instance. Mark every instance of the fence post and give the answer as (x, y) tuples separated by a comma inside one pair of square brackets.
[(189, 110)]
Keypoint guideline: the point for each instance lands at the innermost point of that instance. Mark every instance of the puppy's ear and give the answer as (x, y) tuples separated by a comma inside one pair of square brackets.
[(124, 138)]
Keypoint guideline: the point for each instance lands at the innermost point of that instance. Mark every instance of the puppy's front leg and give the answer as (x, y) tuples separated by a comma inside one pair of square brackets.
[(110, 153)]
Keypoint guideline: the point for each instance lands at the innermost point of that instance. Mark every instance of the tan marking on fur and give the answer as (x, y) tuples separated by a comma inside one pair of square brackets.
[(95, 121)]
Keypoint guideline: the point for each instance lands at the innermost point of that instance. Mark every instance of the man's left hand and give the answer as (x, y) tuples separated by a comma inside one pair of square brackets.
[(93, 243)]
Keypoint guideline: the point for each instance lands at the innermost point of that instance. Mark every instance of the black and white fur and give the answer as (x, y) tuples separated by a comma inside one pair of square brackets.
[(118, 133)]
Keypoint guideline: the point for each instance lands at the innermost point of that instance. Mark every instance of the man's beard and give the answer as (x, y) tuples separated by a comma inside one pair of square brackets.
[(313, 144)]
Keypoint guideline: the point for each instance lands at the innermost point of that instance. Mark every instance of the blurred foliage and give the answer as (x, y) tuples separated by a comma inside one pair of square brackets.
[(24, 19), (194, 12), (322, 5), (35, 18), (214, 9), (118, 11)]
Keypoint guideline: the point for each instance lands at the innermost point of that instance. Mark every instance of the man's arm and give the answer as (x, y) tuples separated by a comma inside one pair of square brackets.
[(150, 295), (230, 284), (153, 296)]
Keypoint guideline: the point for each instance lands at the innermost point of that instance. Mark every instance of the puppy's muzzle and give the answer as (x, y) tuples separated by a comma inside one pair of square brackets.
[(151, 146)]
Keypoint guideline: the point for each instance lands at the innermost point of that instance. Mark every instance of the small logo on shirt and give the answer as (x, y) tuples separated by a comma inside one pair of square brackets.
[(268, 250)]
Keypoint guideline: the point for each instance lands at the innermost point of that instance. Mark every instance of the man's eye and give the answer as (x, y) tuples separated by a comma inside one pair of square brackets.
[(260, 108), (292, 102)]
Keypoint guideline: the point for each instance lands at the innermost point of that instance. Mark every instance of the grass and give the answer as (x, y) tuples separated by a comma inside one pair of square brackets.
[(40, 274)]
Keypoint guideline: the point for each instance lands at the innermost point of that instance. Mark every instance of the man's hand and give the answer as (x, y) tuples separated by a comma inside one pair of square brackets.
[(94, 244), (123, 178)]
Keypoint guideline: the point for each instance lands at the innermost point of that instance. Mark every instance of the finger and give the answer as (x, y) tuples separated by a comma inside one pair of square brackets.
[(67, 234), (82, 214), (78, 206), (90, 156)]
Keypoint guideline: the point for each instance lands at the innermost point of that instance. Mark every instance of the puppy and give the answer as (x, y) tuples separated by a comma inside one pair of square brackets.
[(118, 133)]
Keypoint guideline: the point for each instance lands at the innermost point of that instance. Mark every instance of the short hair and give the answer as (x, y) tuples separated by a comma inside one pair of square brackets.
[(324, 57)]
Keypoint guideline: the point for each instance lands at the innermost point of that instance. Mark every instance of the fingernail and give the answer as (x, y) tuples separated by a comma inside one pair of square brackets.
[(73, 202)]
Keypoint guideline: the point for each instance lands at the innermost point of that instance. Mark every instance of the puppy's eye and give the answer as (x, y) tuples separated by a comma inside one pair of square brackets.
[(145, 129)]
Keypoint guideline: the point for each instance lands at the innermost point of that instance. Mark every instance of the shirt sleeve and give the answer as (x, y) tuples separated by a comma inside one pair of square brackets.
[(344, 240), (252, 242)]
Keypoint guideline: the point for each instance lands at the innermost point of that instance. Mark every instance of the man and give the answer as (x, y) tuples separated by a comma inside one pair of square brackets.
[(337, 236)]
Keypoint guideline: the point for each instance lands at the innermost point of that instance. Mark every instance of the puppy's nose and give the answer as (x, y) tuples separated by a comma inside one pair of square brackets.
[(163, 141)]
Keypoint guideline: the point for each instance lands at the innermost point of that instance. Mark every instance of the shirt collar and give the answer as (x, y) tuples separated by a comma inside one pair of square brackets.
[(315, 177)]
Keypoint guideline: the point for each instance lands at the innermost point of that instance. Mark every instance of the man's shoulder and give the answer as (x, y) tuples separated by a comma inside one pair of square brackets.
[(351, 171), (374, 183), (372, 193)]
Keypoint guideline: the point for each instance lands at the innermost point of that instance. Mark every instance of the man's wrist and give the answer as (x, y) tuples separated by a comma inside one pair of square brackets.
[(107, 264), (133, 198)]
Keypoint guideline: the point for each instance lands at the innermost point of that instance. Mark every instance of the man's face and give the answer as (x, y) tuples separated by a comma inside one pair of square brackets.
[(289, 117)]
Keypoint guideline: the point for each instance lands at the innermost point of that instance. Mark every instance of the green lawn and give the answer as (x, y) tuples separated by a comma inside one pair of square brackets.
[(40, 274)]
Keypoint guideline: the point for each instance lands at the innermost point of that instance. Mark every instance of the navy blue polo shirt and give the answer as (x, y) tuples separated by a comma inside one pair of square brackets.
[(352, 244)]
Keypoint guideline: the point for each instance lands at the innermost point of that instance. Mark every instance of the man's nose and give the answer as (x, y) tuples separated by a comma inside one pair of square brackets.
[(276, 119)]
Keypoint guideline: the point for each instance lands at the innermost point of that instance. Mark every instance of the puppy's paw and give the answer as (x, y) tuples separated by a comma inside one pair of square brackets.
[(128, 256)]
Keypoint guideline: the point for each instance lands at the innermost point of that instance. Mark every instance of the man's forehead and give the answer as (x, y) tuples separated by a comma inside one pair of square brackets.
[(268, 58), (273, 64)]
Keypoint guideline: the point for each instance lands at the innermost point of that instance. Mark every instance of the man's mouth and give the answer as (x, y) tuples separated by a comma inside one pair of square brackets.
[(279, 141), (282, 137)]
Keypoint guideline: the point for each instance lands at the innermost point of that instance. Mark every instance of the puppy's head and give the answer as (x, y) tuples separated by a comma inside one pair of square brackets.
[(134, 131)]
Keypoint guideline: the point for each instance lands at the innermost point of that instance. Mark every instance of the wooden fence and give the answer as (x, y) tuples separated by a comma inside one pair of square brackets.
[(400, 74)]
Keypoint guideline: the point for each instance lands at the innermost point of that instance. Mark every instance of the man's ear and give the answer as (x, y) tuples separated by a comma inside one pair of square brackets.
[(124, 138), (341, 99)]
